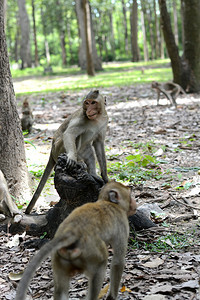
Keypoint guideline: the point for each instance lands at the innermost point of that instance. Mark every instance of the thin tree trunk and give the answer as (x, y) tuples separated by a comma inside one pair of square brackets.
[(112, 38), (46, 44), (88, 35), (175, 22), (182, 22), (150, 22), (162, 48), (134, 31), (35, 34), (146, 56), (82, 48), (170, 42), (16, 47), (125, 27), (25, 52), (157, 32), (12, 153), (48, 56), (63, 48), (70, 42)]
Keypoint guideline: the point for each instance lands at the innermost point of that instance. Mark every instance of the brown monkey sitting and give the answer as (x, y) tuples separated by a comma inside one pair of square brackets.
[(171, 90), (79, 136), (80, 244), (27, 117)]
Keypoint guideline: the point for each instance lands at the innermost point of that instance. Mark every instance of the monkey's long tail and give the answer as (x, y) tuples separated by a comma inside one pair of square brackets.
[(44, 252), (45, 176)]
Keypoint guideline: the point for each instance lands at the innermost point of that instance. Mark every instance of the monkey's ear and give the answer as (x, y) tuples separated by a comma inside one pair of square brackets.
[(113, 196)]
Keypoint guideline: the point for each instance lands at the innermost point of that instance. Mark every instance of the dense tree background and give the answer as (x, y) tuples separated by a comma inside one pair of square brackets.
[(119, 30), (57, 23)]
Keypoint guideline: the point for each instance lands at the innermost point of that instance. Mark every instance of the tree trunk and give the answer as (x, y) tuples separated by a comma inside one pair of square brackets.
[(157, 32), (60, 23), (175, 22), (82, 48), (88, 38), (25, 52), (112, 37), (192, 43), (150, 22), (70, 42), (63, 48), (4, 11), (46, 44), (125, 27), (186, 71), (12, 162), (35, 34), (146, 56), (134, 31), (170, 43), (182, 22)]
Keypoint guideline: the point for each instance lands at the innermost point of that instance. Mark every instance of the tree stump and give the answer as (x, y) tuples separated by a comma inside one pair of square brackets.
[(75, 188)]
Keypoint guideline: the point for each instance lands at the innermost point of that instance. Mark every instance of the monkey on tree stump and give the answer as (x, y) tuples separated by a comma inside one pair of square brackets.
[(80, 135)]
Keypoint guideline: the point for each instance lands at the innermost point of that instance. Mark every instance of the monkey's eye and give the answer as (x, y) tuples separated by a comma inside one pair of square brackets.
[(93, 102)]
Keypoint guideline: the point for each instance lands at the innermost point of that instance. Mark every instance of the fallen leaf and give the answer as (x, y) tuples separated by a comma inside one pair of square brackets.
[(125, 289), (154, 263), (15, 240), (103, 291), (15, 276)]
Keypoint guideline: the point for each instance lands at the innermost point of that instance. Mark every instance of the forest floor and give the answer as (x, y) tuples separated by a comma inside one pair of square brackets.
[(164, 166)]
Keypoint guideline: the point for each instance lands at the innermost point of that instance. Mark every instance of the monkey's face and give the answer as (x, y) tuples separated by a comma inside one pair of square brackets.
[(91, 108)]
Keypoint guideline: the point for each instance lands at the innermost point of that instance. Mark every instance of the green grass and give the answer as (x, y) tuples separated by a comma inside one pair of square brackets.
[(169, 242), (30, 81)]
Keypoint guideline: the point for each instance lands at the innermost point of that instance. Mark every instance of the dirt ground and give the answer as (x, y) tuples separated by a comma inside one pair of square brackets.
[(173, 135)]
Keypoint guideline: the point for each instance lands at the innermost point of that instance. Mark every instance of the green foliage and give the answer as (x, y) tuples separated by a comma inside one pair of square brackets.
[(169, 242), (137, 167)]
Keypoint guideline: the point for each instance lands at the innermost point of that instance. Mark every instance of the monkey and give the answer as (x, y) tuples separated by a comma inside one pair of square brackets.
[(171, 90), (79, 135), (27, 117), (80, 244), (7, 206)]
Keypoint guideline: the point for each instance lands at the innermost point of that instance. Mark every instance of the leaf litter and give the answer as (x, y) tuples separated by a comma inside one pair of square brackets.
[(161, 262)]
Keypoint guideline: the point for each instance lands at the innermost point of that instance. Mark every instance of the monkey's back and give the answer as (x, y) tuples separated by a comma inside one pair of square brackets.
[(101, 219)]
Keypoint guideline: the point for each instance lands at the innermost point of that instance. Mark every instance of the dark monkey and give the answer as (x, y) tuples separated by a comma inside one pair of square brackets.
[(80, 244), (79, 135), (27, 117), (169, 89)]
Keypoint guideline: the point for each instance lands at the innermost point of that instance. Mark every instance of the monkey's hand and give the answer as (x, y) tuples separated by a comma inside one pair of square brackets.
[(70, 163)]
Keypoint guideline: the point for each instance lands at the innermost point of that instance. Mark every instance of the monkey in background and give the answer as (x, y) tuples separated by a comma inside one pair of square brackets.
[(80, 244), (171, 90), (80, 135), (27, 116)]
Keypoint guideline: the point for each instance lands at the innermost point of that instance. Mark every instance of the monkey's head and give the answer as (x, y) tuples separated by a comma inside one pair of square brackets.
[(154, 84), (119, 194), (94, 105), (25, 103)]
